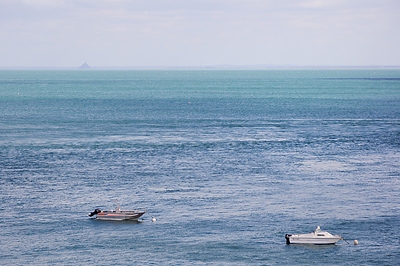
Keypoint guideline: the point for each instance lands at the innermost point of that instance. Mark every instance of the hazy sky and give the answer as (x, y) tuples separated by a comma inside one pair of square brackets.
[(67, 33)]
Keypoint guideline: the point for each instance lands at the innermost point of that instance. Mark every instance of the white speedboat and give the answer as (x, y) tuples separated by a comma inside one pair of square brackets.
[(318, 237), (117, 214)]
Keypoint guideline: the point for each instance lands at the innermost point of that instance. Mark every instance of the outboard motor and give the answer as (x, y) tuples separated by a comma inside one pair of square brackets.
[(96, 211), (287, 236)]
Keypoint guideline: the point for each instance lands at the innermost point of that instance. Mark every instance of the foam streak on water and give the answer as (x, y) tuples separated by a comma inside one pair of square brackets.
[(227, 161)]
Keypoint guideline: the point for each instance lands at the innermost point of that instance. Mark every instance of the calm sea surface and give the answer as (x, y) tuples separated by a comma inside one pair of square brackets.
[(227, 161)]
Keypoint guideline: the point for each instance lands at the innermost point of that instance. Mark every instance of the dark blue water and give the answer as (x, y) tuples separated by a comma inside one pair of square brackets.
[(227, 161)]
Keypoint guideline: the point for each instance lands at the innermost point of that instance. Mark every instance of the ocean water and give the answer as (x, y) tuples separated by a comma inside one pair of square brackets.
[(228, 162)]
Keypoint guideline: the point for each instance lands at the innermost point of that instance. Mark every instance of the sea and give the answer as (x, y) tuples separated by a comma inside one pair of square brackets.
[(226, 161)]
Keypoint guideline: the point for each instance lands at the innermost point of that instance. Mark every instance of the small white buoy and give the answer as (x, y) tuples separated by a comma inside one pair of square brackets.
[(153, 219), (355, 242)]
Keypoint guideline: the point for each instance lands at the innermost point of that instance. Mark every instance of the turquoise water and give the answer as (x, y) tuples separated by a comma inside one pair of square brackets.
[(227, 161)]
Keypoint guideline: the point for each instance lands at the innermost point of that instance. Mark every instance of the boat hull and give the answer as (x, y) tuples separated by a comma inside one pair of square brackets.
[(299, 239), (119, 216)]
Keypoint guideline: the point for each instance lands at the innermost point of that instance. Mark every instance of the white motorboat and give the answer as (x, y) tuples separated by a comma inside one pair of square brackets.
[(318, 237), (117, 214)]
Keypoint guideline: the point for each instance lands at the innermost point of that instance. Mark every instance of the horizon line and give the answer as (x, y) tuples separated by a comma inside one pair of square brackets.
[(200, 67)]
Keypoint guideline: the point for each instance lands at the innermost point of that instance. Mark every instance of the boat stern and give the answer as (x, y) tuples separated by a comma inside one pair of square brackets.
[(287, 236)]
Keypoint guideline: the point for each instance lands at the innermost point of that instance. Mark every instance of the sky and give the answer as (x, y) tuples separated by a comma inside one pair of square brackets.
[(177, 33)]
